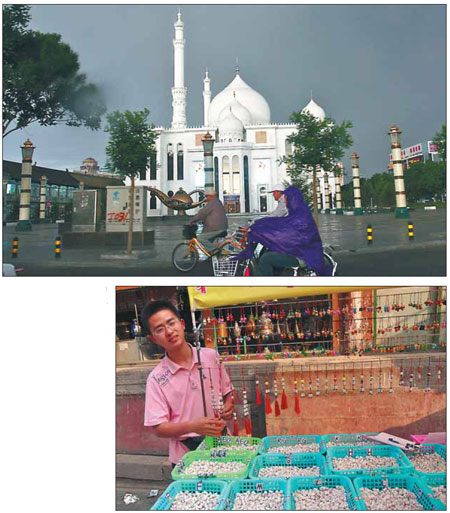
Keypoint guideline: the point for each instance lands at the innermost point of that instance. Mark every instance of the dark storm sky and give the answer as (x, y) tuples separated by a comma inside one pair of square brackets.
[(374, 65)]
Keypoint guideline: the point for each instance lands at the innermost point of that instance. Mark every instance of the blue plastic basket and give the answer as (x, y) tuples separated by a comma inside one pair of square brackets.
[(282, 441), (404, 465), (412, 483), (427, 449), (435, 480), (345, 439), (302, 460), (330, 481), (189, 485), (257, 485)]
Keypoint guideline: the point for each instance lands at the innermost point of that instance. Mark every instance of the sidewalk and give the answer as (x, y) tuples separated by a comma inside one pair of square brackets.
[(347, 234)]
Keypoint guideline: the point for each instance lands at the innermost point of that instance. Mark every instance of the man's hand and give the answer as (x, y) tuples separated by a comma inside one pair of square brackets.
[(228, 407), (208, 427)]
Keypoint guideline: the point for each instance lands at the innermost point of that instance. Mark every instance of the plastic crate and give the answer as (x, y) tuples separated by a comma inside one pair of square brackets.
[(438, 479), (426, 449), (255, 485), (346, 439), (189, 485), (404, 467), (247, 443), (412, 483), (330, 481), (302, 460), (280, 441), (189, 457)]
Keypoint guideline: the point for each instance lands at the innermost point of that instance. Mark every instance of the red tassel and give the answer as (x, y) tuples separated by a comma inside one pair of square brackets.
[(258, 395), (235, 428), (268, 405), (284, 403), (248, 426), (297, 404), (277, 408)]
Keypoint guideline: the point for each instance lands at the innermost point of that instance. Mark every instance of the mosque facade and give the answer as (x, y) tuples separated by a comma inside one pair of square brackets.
[(247, 148)]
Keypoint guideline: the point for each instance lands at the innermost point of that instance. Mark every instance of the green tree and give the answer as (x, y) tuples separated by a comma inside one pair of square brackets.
[(129, 149), (316, 145), (41, 79), (440, 139), (425, 181)]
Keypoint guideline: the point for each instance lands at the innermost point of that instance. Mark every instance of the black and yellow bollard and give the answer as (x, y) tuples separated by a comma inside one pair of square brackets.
[(15, 247), (58, 247), (410, 231), (369, 234)]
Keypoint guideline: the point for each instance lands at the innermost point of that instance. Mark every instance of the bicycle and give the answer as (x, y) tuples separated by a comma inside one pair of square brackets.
[(186, 255)]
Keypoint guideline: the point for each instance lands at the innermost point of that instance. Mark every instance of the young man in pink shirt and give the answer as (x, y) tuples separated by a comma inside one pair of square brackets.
[(173, 397)]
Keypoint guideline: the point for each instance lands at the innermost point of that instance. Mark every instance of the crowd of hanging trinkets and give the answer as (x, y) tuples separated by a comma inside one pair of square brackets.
[(411, 321), (287, 386)]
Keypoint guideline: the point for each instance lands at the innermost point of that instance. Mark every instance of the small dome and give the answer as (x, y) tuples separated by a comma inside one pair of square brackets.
[(254, 102), (231, 127), (238, 110), (315, 110)]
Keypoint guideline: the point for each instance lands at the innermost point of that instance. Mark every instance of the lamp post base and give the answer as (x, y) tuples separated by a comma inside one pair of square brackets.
[(358, 211), (24, 226), (402, 213), (339, 212), (327, 211)]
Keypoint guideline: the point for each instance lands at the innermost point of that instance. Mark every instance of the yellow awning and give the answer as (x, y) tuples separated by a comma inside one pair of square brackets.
[(210, 297)]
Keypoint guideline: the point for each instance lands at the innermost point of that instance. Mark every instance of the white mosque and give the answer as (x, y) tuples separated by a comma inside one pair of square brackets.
[(247, 146)]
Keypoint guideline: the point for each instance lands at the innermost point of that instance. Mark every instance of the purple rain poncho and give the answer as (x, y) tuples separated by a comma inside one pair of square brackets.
[(295, 235)]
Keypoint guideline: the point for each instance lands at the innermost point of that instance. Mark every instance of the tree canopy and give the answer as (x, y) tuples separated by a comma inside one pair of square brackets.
[(316, 145), (41, 79), (131, 141), (440, 139)]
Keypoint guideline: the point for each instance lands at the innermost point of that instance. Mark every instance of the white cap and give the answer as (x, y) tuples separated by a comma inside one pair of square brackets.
[(278, 187)]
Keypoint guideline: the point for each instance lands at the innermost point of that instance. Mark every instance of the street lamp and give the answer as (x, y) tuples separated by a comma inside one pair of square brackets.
[(208, 145), (327, 193), (24, 224), (357, 211), (401, 210), (337, 186)]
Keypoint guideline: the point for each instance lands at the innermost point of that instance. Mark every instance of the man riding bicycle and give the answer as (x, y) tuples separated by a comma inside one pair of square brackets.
[(215, 222)]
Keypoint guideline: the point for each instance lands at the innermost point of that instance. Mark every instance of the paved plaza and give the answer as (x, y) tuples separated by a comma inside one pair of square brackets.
[(347, 234)]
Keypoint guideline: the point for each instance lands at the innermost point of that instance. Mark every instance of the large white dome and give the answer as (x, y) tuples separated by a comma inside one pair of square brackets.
[(238, 110), (231, 129), (253, 101), (315, 110)]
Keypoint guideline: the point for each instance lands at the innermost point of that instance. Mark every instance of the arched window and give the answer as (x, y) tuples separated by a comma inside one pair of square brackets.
[(216, 175), (153, 165), (169, 162), (226, 185), (180, 169), (236, 180), (287, 148), (152, 202), (246, 186)]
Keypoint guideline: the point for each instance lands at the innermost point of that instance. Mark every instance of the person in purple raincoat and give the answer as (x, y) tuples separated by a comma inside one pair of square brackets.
[(288, 239)]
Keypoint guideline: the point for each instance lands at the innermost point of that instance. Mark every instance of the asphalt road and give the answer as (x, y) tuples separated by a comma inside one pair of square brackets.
[(414, 261)]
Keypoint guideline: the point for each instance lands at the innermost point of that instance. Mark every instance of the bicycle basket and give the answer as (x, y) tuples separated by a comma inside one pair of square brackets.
[(224, 266), (189, 231)]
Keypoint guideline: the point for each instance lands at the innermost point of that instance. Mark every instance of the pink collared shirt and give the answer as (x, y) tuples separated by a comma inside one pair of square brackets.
[(173, 394)]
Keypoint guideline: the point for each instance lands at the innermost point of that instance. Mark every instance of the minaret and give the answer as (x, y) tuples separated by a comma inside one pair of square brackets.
[(206, 97), (178, 89)]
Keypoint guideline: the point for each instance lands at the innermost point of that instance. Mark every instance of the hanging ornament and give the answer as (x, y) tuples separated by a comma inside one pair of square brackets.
[(370, 380), (344, 382), (326, 379), (297, 399), (380, 380), (391, 380), (220, 400), (401, 381), (213, 397), (310, 394), (284, 403), (235, 425), (302, 386), (258, 393), (439, 372), (335, 380), (267, 396), (317, 382), (353, 379), (411, 377), (275, 393), (247, 421), (361, 381), (427, 388), (419, 373)]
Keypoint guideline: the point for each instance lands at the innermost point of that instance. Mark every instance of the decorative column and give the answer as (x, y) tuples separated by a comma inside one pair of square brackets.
[(326, 192), (178, 89), (337, 184), (42, 199), (319, 195), (401, 210), (208, 144), (206, 97), (357, 211), (24, 224)]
